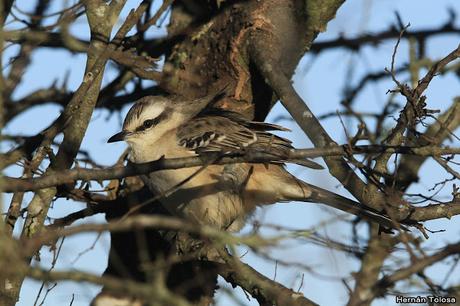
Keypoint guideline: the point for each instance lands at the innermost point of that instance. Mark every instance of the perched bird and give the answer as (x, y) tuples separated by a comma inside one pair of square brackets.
[(218, 195)]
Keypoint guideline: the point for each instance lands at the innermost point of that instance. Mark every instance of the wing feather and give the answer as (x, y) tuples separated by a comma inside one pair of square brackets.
[(215, 134), (228, 132)]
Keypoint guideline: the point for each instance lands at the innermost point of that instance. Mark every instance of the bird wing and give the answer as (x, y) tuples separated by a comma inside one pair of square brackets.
[(228, 132), (215, 134)]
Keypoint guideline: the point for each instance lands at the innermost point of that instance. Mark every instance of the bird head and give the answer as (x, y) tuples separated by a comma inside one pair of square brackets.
[(148, 120), (152, 116)]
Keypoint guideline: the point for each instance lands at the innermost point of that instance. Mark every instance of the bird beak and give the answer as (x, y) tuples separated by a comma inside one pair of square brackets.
[(119, 136)]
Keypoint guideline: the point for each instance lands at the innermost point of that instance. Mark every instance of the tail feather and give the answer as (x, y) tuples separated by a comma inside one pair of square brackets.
[(306, 163), (331, 199), (268, 184)]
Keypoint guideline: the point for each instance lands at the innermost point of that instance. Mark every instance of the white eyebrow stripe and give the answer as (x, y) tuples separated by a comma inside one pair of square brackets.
[(145, 109)]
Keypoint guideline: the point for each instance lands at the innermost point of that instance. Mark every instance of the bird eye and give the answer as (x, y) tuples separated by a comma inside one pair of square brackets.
[(148, 123)]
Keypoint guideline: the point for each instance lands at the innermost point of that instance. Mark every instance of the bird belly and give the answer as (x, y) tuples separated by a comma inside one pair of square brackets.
[(205, 198)]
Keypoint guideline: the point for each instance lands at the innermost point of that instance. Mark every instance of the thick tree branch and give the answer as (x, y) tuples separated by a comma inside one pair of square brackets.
[(436, 211), (265, 290), (338, 167), (379, 248), (70, 176)]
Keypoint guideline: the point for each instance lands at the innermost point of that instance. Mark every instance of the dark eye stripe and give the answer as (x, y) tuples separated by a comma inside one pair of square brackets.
[(149, 123), (152, 122)]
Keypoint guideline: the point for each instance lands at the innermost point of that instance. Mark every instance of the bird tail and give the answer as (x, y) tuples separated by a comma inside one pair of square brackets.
[(319, 195)]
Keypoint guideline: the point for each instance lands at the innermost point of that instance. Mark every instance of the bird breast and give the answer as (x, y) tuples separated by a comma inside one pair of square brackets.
[(202, 197)]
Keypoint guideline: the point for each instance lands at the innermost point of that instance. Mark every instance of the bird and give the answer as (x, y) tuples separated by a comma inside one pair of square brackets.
[(223, 196)]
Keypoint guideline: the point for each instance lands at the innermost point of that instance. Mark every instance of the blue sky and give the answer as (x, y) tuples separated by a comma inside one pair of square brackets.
[(320, 82)]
